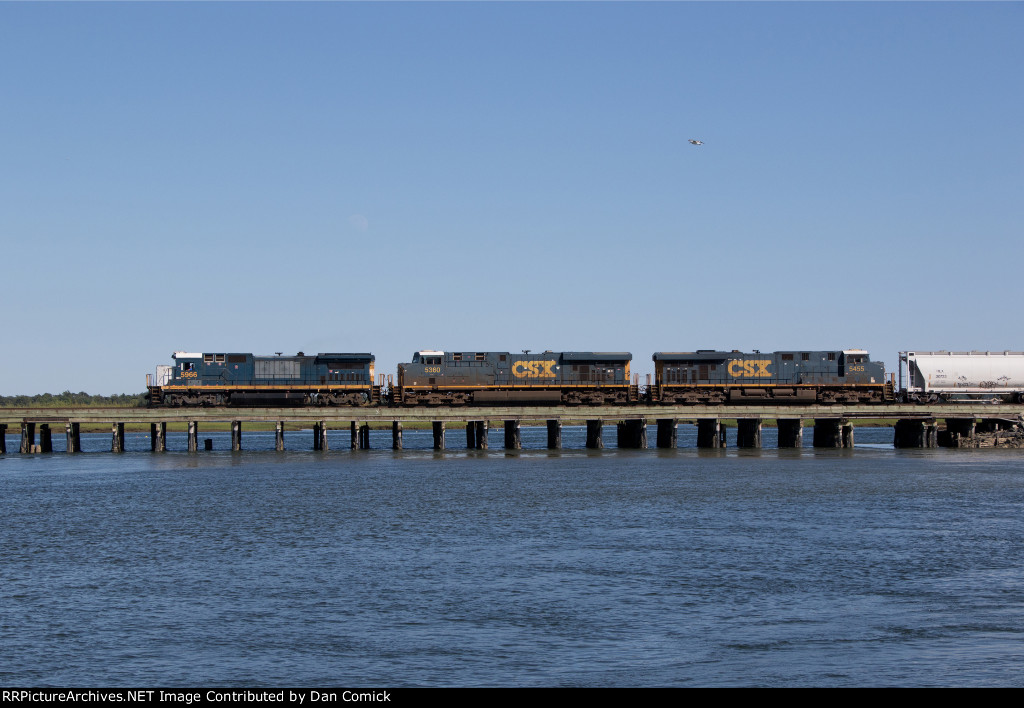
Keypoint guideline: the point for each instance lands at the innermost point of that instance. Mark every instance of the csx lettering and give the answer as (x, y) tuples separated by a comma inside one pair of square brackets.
[(751, 368), (533, 369)]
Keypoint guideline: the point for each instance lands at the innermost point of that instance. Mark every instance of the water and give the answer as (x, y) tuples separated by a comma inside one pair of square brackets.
[(870, 566)]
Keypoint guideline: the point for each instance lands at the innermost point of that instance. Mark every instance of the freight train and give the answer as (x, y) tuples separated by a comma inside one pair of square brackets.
[(446, 378)]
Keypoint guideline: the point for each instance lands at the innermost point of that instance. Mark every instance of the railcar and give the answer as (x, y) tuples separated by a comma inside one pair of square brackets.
[(929, 377), (710, 377), (438, 378), (232, 379)]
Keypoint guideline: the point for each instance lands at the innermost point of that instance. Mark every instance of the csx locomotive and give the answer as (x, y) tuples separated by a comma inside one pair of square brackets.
[(227, 379), (440, 378), (709, 377), (459, 378)]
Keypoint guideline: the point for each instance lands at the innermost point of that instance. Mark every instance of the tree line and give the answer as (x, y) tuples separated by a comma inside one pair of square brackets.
[(66, 399)]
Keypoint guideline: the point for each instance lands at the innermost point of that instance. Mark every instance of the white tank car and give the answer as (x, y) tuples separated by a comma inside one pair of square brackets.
[(929, 376)]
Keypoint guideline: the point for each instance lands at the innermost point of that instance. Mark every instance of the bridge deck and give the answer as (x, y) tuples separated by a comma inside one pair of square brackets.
[(11, 416)]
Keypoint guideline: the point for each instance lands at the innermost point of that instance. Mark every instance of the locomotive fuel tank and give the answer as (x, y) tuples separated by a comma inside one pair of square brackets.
[(931, 375)]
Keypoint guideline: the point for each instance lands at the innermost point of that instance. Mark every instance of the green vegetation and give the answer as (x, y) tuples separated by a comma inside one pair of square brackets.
[(68, 399)]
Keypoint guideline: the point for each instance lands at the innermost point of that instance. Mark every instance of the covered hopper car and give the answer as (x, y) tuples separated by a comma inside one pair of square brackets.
[(225, 379), (928, 377), (459, 378), (709, 377)]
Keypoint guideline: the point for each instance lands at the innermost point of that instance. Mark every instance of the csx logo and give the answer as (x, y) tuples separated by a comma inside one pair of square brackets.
[(750, 368), (533, 369)]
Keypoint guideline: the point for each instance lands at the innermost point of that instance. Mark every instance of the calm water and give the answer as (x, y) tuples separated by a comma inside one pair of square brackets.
[(870, 566)]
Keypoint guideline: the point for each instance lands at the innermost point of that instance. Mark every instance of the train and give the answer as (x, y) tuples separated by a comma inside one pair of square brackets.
[(703, 377)]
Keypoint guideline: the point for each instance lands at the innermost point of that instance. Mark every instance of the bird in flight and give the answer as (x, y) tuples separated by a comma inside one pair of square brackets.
[(695, 142)]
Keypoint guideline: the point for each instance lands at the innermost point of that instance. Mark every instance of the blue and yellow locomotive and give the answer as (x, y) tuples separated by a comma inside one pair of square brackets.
[(249, 380), (459, 378), (708, 377)]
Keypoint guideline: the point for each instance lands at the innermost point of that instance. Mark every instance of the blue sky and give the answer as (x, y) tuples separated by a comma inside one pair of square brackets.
[(389, 177)]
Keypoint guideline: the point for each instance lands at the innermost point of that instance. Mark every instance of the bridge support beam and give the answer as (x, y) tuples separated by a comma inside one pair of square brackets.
[(594, 430), (320, 436), (117, 437), (957, 429), (279, 436), (668, 432), (438, 434), (791, 432), (846, 434), (396, 435), (633, 434), (513, 435), (236, 436), (828, 432), (45, 438), (554, 435), (28, 438), (748, 432), (193, 436), (157, 437), (710, 433), (915, 432)]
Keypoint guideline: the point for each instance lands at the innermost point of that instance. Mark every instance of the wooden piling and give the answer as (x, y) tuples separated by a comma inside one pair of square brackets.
[(364, 436), (28, 438), (827, 432), (45, 439), (632, 434), (279, 436), (594, 438), (668, 433), (554, 435), (791, 432), (470, 434), (117, 437), (236, 436), (909, 432), (396, 435), (481, 435), (354, 432), (513, 435), (193, 436), (748, 433), (3, 438), (846, 433), (157, 437), (438, 434), (710, 433)]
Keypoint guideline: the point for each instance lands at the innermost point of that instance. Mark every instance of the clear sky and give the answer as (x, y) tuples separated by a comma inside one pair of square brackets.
[(387, 177)]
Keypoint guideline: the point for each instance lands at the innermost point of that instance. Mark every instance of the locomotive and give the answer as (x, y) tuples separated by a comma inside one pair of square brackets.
[(249, 380), (459, 378), (709, 377)]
